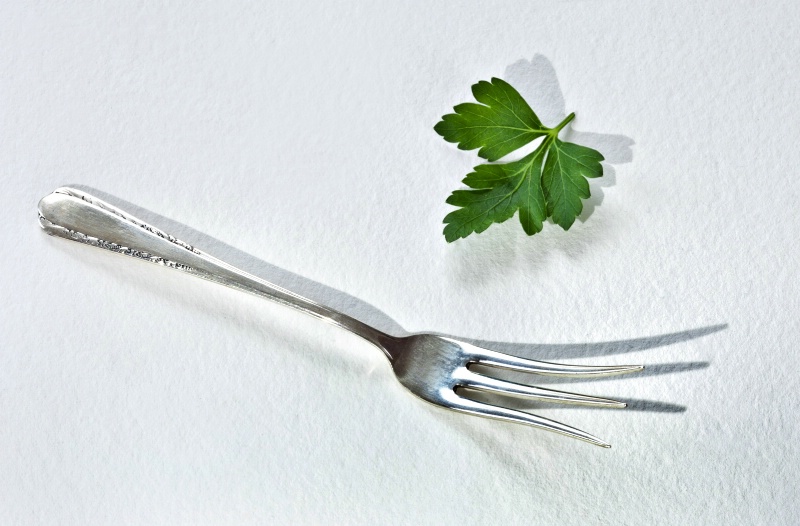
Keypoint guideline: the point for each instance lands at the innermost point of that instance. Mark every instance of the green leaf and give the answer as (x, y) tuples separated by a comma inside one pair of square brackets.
[(564, 179), (499, 190), (502, 123), (549, 182)]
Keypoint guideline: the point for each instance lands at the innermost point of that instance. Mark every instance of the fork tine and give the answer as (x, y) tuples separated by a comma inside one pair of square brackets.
[(514, 363), (486, 383), (465, 405)]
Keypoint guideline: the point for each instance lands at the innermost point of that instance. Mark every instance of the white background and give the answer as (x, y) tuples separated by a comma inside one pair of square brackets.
[(300, 136)]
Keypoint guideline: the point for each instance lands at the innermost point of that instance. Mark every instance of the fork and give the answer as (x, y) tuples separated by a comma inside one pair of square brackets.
[(433, 367)]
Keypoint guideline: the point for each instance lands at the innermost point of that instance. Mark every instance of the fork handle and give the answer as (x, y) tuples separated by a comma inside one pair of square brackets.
[(78, 216)]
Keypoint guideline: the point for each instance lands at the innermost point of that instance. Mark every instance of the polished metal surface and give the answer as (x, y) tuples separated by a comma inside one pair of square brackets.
[(434, 368)]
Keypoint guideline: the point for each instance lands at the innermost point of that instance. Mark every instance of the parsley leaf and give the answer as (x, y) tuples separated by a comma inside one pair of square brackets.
[(499, 191), (564, 179), (499, 125), (548, 182)]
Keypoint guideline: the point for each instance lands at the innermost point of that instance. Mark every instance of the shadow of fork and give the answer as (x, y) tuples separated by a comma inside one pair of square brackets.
[(367, 313)]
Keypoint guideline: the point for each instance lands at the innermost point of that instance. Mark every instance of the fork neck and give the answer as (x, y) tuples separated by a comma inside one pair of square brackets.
[(385, 342)]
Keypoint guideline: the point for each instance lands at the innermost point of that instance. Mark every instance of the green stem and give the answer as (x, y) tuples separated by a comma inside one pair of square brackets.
[(555, 131)]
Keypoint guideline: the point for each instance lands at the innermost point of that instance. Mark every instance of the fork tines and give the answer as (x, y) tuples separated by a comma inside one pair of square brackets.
[(473, 380)]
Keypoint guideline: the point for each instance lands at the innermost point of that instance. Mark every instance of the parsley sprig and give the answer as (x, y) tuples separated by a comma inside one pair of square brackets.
[(548, 182)]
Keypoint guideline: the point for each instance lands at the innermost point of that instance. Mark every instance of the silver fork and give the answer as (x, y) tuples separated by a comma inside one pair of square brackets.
[(434, 368)]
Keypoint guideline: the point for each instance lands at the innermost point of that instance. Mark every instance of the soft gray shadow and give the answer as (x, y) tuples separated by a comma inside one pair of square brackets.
[(373, 316), (562, 351), (651, 406), (537, 82), (658, 369)]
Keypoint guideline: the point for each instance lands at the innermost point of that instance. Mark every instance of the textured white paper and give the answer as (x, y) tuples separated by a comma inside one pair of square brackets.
[(295, 139)]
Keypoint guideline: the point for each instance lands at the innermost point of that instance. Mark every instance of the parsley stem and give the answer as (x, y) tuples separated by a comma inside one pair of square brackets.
[(555, 131)]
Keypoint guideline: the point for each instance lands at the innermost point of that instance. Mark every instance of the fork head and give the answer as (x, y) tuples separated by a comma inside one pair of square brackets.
[(436, 369)]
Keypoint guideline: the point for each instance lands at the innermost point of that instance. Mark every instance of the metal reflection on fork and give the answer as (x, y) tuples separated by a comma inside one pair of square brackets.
[(431, 367)]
